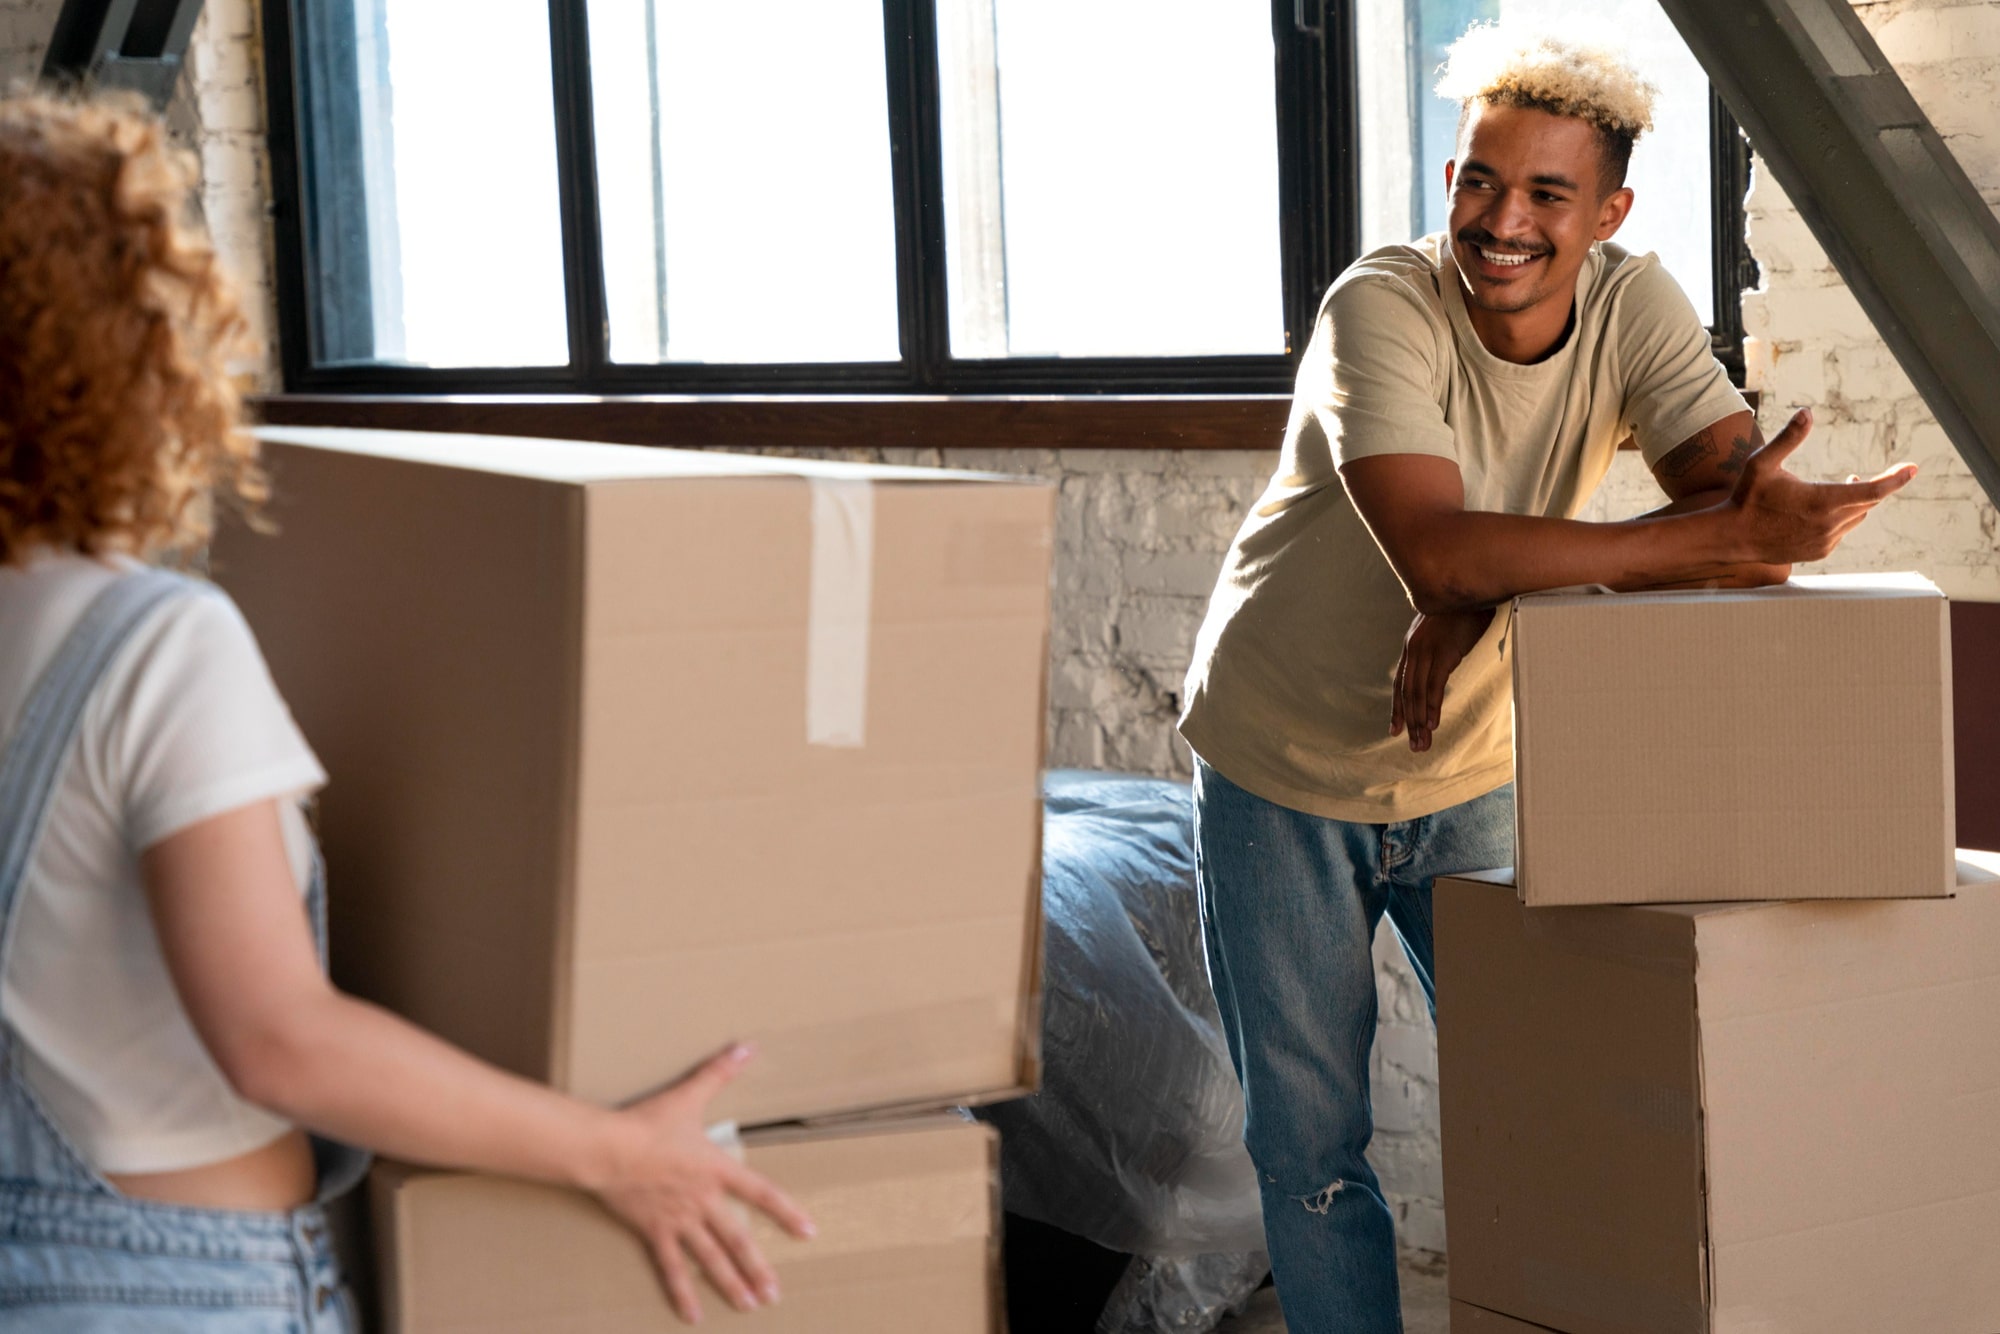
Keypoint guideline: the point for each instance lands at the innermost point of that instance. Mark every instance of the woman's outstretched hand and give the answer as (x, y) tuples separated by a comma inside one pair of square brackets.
[(680, 1191)]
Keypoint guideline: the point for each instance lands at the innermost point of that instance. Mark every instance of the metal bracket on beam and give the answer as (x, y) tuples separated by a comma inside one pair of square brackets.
[(135, 44), (1878, 187)]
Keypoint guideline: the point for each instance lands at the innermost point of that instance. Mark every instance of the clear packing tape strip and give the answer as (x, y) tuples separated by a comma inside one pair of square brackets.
[(838, 611)]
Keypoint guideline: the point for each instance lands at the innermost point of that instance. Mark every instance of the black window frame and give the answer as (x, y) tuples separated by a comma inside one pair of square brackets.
[(1319, 212)]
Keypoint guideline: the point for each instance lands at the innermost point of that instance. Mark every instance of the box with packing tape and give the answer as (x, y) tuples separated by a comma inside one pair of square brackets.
[(1781, 743), (1690, 1119), (907, 1218), (637, 752)]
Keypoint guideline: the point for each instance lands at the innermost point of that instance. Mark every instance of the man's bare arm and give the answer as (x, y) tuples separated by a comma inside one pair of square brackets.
[(1700, 473), (1709, 463), (1451, 558)]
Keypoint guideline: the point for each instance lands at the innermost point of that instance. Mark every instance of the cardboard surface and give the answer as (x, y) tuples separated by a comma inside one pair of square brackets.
[(1784, 743), (1726, 1118), (1469, 1319), (579, 821), (908, 1240)]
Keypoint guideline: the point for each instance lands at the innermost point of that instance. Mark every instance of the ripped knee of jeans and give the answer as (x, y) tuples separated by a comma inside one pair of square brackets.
[(1321, 1201)]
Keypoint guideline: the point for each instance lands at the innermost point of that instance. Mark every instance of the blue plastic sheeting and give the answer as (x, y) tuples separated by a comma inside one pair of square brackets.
[(1135, 1140)]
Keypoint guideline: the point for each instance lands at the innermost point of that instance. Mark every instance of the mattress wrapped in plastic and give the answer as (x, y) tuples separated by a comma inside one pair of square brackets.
[(1135, 1140)]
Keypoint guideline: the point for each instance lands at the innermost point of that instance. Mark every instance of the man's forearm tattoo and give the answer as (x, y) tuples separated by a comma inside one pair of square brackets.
[(1690, 456), (1686, 458)]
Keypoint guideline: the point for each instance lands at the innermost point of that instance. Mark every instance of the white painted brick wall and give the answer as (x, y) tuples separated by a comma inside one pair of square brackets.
[(225, 88), (25, 26), (1141, 534)]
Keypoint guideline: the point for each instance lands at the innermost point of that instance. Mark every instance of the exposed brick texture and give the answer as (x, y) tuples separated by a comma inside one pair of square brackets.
[(24, 37)]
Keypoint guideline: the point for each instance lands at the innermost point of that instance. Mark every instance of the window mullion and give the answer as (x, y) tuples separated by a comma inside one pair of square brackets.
[(1735, 267), (576, 169), (1319, 171), (910, 30)]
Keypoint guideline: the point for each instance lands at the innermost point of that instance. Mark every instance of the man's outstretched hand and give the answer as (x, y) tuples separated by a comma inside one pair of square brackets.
[(1432, 651), (1783, 519)]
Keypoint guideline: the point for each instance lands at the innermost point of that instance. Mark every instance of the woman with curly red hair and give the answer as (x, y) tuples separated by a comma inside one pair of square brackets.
[(170, 1049)]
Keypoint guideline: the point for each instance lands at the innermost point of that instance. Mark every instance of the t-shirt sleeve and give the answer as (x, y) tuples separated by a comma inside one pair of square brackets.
[(1372, 372), (1674, 386), (193, 725)]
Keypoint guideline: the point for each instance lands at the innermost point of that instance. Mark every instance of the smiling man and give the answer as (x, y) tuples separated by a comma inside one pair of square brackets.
[(1461, 399)]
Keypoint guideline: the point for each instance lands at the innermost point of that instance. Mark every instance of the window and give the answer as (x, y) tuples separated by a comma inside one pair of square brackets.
[(883, 196)]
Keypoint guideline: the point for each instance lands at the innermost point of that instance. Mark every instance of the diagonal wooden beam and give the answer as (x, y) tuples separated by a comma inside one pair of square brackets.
[(1880, 190)]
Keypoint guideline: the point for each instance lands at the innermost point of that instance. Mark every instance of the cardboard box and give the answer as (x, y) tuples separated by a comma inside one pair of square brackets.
[(1469, 1319), (1717, 1119), (636, 752), (1785, 743), (908, 1240)]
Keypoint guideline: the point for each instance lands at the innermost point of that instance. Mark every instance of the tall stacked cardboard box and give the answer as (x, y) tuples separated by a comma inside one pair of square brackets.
[(1722, 1054), (636, 753)]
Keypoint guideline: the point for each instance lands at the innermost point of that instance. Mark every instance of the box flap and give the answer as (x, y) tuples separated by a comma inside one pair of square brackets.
[(1852, 1067)]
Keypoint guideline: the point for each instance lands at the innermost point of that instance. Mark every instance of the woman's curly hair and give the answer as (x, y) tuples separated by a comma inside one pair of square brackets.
[(119, 418)]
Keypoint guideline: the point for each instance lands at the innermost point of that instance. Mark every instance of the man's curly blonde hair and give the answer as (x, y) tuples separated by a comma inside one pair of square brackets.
[(118, 414), (1517, 67)]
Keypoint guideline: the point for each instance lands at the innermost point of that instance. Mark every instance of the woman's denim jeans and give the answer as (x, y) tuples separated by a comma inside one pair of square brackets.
[(1289, 906)]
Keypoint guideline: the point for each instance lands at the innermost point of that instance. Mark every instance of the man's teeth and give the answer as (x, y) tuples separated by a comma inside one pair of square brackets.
[(1495, 257)]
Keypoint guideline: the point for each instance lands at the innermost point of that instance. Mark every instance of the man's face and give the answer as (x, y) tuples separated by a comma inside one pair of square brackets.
[(1526, 205)]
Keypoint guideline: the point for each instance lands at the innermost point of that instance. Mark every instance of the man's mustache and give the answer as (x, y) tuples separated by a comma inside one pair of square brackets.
[(1485, 240)]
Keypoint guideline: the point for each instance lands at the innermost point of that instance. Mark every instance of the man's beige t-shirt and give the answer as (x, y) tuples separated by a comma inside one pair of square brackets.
[(1289, 693)]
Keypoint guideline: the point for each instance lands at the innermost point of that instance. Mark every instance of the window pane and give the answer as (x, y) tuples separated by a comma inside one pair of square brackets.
[(744, 180), (1111, 178), (437, 242), (1408, 131)]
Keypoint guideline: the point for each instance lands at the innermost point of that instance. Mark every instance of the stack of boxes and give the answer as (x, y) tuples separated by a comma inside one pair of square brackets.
[(637, 753), (1722, 1054)]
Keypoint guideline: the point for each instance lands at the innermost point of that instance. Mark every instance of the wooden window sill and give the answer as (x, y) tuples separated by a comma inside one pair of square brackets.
[(1234, 421), (1216, 421)]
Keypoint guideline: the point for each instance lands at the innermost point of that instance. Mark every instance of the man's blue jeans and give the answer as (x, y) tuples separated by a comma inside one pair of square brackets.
[(1289, 905)]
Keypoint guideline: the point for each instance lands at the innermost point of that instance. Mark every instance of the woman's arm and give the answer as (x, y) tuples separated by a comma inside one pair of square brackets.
[(242, 957)]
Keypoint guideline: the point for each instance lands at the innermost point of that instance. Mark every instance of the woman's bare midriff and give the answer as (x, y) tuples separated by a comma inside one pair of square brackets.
[(275, 1178)]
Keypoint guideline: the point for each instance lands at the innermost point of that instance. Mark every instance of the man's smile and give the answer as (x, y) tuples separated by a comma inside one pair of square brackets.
[(1494, 260)]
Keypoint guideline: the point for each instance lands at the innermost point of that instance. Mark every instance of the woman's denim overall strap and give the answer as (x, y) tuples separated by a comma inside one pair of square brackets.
[(77, 1257)]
